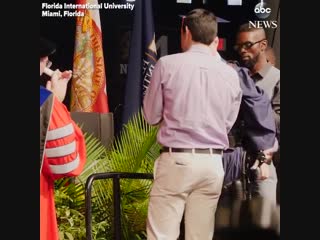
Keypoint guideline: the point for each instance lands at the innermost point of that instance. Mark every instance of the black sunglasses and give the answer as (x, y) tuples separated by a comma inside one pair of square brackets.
[(246, 45)]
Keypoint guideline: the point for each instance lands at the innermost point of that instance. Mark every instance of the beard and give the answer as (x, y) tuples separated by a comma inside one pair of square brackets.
[(251, 62)]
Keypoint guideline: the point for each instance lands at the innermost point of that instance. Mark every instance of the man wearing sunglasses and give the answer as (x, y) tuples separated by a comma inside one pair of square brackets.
[(251, 45)]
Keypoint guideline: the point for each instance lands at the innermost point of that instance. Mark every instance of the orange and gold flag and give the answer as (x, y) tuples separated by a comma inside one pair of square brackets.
[(88, 87)]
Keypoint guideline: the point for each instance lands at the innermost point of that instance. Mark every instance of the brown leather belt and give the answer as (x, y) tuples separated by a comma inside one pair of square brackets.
[(189, 150)]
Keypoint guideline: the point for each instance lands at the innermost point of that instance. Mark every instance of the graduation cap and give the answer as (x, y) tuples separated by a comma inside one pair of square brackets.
[(46, 47)]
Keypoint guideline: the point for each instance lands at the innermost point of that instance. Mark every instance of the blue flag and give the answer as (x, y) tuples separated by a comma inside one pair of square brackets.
[(142, 58)]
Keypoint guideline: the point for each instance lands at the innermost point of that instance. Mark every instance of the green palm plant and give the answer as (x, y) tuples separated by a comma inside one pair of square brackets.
[(70, 199), (133, 151)]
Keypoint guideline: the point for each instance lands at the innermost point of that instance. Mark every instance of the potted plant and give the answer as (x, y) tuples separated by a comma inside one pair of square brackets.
[(135, 150)]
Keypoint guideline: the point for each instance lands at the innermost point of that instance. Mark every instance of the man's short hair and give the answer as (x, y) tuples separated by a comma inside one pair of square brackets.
[(247, 28), (202, 25)]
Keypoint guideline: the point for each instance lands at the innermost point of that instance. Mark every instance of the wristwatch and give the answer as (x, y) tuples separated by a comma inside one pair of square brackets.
[(261, 157)]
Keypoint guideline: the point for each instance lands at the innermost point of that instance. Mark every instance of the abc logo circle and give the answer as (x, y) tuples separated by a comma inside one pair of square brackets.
[(262, 11)]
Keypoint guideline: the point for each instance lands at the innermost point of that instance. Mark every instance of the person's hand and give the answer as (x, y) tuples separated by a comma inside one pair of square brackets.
[(269, 153), (262, 170), (58, 83)]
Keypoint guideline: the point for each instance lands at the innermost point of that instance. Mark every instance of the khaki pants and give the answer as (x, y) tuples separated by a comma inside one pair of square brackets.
[(187, 182)]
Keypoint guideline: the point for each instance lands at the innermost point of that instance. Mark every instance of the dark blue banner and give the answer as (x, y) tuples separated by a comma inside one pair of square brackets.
[(142, 58)]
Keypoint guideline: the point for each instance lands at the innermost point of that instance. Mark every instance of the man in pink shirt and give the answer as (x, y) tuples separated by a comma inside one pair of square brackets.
[(195, 97)]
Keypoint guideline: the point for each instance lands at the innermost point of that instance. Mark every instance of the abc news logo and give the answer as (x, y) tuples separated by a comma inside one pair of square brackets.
[(262, 11)]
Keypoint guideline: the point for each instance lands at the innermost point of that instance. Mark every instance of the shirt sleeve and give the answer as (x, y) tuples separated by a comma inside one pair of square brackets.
[(65, 150), (232, 117), (257, 113), (153, 99)]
